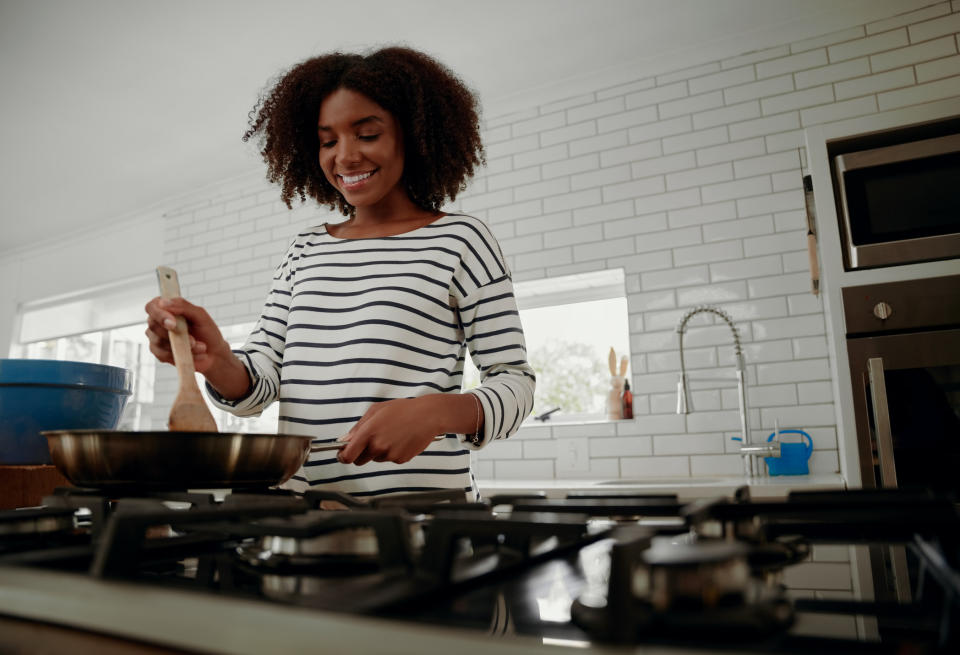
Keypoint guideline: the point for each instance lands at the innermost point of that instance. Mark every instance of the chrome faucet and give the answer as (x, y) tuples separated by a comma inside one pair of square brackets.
[(683, 401)]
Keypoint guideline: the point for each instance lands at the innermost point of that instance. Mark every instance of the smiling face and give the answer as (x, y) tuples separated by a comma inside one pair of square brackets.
[(361, 151)]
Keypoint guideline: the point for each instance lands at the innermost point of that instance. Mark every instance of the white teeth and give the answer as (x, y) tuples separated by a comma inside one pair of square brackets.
[(353, 179)]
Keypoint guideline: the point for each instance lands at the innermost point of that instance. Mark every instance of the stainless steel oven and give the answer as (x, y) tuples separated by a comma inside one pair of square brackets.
[(898, 195), (903, 345)]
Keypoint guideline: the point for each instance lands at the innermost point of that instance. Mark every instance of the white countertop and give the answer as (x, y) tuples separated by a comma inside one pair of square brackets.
[(685, 488)]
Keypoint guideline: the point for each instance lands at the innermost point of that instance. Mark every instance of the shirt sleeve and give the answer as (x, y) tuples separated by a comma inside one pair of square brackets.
[(494, 337), (262, 354)]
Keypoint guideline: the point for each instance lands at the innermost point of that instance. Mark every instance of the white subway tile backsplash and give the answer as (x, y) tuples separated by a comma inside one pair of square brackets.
[(654, 467), (938, 69), (571, 236), (656, 95), (900, 20), (931, 29), (745, 269), (809, 347), (694, 140), (691, 105), (809, 393), (760, 89), (811, 97), (869, 45), (946, 88), (739, 112), (566, 103), (667, 201), (842, 71), (730, 151), (687, 444), (545, 223), (634, 225), (755, 56), (926, 51), (551, 187), (792, 63), (707, 465), (687, 73), (699, 176), (526, 469), (601, 177), (752, 186), (539, 124), (807, 370), (711, 252), (602, 142), (627, 119), (702, 214), (761, 126), (602, 213), (781, 161), (722, 80), (774, 243), (774, 202), (790, 140), (573, 200), (660, 129), (839, 36), (513, 146), (620, 446), (630, 153), (893, 79)]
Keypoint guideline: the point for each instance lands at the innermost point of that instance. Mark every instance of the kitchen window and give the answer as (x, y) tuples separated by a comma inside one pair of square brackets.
[(103, 325), (570, 323)]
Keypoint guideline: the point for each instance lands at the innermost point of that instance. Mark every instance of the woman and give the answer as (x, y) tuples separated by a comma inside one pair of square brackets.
[(363, 333)]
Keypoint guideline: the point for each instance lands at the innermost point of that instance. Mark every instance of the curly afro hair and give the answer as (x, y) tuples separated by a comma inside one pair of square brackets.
[(437, 114)]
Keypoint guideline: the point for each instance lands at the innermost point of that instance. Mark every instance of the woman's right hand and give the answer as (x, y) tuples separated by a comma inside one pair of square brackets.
[(206, 342), (212, 355)]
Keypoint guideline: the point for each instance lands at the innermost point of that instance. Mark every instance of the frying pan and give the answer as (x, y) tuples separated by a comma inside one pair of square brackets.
[(108, 459), (178, 460)]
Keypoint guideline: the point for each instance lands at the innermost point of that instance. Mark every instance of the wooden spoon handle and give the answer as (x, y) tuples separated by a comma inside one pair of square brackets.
[(179, 337)]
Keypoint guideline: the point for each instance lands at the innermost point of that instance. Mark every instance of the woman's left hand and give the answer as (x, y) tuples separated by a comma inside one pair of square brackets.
[(390, 431)]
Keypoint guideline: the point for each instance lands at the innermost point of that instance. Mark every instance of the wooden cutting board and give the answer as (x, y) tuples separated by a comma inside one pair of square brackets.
[(25, 486)]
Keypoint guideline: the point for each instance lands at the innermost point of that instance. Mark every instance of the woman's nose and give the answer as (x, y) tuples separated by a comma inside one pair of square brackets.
[(347, 151)]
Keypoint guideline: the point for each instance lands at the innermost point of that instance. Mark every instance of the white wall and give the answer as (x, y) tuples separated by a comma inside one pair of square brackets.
[(690, 180), (77, 262)]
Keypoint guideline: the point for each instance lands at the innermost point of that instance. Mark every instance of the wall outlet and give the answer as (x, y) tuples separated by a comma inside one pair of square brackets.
[(573, 455)]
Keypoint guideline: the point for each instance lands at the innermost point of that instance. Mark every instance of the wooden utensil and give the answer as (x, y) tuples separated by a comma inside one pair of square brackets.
[(189, 412)]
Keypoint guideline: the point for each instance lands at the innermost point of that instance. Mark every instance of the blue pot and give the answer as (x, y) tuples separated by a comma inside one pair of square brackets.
[(44, 394)]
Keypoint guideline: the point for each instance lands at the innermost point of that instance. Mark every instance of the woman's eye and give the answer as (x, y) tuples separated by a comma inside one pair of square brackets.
[(327, 144), (368, 137)]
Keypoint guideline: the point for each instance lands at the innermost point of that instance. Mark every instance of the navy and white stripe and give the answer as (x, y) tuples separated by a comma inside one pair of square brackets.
[(352, 322)]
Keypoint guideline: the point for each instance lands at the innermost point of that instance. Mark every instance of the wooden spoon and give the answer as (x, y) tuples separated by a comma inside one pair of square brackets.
[(189, 412)]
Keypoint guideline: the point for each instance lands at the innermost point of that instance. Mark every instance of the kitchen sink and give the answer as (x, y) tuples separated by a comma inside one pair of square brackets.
[(659, 482)]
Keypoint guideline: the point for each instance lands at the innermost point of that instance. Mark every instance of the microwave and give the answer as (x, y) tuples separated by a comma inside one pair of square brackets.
[(899, 203)]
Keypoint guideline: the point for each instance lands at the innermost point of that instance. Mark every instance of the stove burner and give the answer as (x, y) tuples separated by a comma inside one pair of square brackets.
[(36, 521)]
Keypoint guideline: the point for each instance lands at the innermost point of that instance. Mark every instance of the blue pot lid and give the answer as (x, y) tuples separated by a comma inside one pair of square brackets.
[(51, 371)]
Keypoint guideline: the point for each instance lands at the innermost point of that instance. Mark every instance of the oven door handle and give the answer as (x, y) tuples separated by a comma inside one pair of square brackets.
[(888, 470), (881, 422)]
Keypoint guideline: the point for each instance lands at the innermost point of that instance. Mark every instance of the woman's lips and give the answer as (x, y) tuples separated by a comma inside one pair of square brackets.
[(355, 180)]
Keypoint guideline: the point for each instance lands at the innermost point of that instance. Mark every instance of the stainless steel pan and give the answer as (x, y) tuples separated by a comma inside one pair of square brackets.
[(178, 460), (102, 459)]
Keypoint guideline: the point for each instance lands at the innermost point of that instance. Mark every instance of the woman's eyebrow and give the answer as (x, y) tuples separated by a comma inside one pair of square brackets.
[(356, 123)]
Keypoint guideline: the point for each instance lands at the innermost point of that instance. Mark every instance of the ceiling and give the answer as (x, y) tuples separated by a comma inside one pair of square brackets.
[(115, 108)]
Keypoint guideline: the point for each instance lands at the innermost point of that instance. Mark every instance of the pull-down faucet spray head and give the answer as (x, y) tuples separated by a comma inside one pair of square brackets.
[(683, 400)]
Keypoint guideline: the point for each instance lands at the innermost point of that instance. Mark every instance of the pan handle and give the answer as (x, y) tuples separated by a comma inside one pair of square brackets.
[(338, 446)]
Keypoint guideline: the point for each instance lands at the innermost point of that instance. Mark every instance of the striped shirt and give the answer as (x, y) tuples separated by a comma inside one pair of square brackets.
[(352, 322)]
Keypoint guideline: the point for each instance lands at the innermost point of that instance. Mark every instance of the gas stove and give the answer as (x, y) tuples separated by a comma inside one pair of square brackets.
[(597, 570)]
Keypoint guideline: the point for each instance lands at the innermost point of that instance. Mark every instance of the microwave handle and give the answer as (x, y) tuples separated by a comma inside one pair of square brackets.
[(881, 422)]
